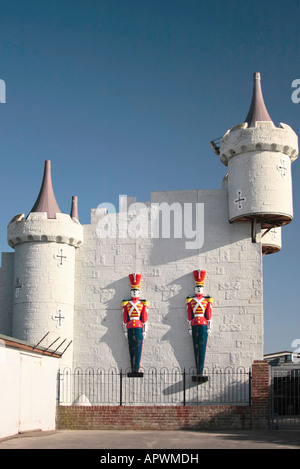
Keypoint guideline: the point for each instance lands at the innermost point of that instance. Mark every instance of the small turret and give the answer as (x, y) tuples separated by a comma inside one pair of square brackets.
[(74, 208), (258, 156), (271, 240)]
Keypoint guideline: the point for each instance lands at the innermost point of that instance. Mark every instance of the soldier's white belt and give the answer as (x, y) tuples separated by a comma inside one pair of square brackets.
[(134, 309), (198, 303)]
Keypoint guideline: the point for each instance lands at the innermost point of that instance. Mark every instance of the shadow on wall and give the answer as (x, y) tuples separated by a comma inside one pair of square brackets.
[(173, 315), (111, 299), (209, 234), (176, 318)]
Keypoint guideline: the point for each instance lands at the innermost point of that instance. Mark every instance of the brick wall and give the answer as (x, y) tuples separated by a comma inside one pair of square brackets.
[(174, 417), (260, 392), (152, 417)]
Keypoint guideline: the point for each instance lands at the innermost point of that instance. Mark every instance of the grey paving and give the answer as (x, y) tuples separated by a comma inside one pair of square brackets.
[(154, 440)]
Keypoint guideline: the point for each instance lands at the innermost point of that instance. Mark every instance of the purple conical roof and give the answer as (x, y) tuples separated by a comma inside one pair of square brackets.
[(46, 201), (258, 110)]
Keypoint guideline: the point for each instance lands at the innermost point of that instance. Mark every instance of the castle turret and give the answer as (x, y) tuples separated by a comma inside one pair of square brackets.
[(258, 156), (44, 272), (271, 240)]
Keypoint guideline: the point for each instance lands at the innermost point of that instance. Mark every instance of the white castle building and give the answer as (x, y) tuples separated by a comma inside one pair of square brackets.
[(64, 284)]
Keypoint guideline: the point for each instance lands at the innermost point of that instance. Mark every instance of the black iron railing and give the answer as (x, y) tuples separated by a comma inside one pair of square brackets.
[(284, 397), (156, 387)]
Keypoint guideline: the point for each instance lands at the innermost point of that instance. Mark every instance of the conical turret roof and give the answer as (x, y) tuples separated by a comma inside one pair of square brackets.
[(258, 110), (46, 201)]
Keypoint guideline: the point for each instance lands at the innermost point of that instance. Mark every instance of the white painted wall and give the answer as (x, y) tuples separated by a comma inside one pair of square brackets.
[(27, 391), (259, 169), (44, 281), (9, 391), (234, 280)]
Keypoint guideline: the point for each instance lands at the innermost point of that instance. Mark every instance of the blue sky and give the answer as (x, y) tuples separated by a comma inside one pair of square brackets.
[(123, 96)]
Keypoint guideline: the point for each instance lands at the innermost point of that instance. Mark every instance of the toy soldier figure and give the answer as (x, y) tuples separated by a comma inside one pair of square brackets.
[(135, 317), (199, 310)]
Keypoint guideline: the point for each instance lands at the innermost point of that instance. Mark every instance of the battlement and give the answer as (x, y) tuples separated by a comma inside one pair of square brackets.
[(265, 136), (37, 227)]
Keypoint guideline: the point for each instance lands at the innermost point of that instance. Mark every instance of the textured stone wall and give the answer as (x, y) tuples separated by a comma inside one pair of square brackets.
[(46, 293), (259, 169), (43, 279), (234, 279), (6, 292), (102, 265)]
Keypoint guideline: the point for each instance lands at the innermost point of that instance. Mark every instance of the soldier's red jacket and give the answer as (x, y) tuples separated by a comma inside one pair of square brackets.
[(199, 310), (135, 313)]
